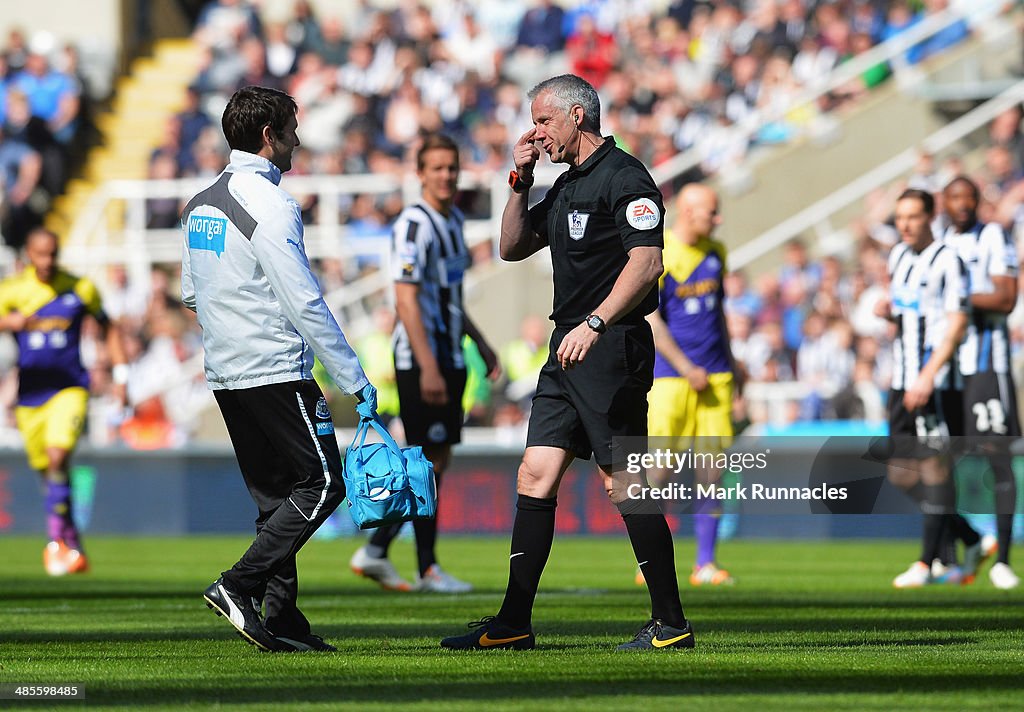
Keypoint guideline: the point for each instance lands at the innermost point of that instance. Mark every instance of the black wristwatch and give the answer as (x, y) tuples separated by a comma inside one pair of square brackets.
[(597, 323)]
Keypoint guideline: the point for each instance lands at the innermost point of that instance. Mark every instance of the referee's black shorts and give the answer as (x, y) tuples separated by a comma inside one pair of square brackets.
[(430, 424), (604, 397)]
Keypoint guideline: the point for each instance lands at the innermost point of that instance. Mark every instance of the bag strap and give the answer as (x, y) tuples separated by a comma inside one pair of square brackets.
[(360, 437), (377, 424)]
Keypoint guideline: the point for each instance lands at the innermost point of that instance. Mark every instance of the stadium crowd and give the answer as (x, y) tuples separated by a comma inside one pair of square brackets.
[(41, 112), (368, 81)]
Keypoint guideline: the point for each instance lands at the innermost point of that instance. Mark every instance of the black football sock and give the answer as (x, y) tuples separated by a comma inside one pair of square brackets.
[(1004, 531), (426, 536), (947, 547), (932, 536), (963, 530), (532, 534), (652, 544), (1006, 504)]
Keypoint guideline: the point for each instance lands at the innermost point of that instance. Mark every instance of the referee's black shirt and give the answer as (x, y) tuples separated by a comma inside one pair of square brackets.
[(592, 216)]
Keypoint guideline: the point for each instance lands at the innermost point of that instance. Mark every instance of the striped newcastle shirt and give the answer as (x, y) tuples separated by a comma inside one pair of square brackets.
[(925, 287), (987, 253), (429, 250)]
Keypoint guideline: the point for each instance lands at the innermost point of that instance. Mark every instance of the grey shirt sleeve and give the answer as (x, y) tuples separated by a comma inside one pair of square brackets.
[(277, 243)]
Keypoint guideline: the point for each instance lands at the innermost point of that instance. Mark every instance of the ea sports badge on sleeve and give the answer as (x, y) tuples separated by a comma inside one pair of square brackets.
[(643, 214)]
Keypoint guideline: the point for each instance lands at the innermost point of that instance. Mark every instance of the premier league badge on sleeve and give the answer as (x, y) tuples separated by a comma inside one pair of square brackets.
[(578, 224), (407, 256)]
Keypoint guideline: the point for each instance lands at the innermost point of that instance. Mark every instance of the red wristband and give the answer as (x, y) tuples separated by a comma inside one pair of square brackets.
[(518, 183)]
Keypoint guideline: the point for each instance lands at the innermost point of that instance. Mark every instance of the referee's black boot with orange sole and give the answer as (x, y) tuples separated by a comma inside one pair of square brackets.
[(490, 634)]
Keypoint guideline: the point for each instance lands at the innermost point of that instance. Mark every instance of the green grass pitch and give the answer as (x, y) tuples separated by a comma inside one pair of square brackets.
[(808, 626)]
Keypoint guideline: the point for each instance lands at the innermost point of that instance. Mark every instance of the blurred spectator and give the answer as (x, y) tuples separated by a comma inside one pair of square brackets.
[(22, 208), (474, 49), (541, 28), (332, 44), (191, 122), (378, 358), (254, 70), (1000, 172), (21, 126), (149, 428), (124, 299), (476, 398), (767, 356), (282, 54), (798, 267), (359, 75), (738, 297), (592, 53), (827, 299), (303, 30), (523, 358), (52, 96), (163, 213), (1005, 131), (16, 50), (222, 23)]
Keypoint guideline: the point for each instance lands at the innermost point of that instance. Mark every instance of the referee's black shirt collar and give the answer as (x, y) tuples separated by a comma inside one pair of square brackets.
[(594, 158)]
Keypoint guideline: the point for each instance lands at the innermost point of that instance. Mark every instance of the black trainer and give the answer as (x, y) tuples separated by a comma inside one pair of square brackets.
[(656, 635), (238, 609), (490, 634), (303, 644)]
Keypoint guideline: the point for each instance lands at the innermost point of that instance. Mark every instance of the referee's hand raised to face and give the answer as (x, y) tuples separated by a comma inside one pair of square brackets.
[(525, 154)]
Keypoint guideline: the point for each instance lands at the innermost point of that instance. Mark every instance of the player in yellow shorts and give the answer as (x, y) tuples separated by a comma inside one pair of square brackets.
[(691, 401), (44, 308)]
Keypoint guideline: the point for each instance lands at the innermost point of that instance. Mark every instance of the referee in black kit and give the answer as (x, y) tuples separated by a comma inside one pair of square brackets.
[(602, 220)]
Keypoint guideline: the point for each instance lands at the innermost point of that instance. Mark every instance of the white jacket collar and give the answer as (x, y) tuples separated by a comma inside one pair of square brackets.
[(244, 162)]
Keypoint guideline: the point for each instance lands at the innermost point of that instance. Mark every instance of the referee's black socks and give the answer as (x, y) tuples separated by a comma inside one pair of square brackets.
[(652, 543), (532, 534)]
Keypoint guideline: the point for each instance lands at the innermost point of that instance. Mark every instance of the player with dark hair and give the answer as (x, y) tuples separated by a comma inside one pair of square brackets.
[(928, 302), (990, 397), (429, 261), (602, 220), (44, 308), (246, 275)]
